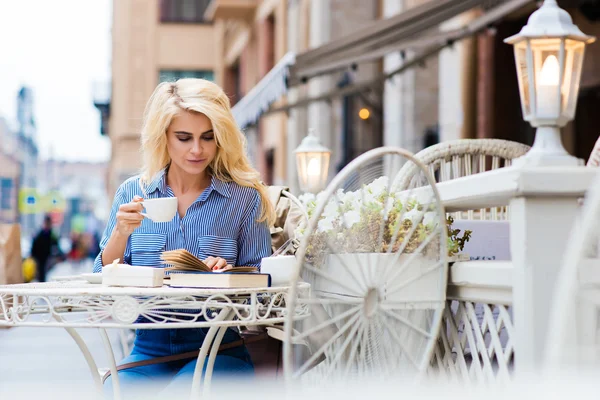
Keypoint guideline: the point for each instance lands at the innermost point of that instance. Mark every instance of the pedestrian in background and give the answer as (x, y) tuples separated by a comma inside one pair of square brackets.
[(45, 249)]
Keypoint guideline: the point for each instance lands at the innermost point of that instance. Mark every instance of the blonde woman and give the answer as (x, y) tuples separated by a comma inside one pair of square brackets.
[(193, 150)]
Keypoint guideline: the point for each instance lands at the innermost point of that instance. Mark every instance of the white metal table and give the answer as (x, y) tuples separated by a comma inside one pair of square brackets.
[(79, 304)]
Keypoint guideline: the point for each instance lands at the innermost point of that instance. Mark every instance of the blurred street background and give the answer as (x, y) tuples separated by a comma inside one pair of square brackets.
[(75, 77), (362, 74)]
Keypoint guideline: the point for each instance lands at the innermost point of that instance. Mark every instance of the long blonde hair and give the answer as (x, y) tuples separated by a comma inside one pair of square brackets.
[(204, 97)]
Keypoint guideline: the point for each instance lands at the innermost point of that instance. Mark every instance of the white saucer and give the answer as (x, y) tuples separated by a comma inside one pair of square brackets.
[(92, 278)]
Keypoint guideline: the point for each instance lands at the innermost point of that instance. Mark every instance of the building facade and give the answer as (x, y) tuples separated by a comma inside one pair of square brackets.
[(28, 155), (152, 41), (80, 194), (252, 39), (465, 87), (10, 174), (19, 163), (257, 36)]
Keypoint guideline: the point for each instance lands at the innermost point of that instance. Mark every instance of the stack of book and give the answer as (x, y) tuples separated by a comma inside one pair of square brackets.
[(187, 270)]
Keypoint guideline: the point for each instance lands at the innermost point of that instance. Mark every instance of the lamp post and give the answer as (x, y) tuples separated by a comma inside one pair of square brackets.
[(312, 160), (549, 57)]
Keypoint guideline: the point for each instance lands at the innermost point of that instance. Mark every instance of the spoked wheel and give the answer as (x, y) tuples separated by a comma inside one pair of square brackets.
[(375, 260)]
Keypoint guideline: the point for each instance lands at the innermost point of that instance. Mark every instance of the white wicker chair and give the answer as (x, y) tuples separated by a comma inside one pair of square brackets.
[(446, 161), (457, 158)]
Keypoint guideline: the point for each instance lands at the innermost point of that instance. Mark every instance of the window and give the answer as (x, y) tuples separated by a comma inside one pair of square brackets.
[(189, 11), (167, 75), (6, 186)]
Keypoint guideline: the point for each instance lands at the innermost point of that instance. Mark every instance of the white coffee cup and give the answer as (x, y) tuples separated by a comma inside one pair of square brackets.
[(281, 269), (162, 209)]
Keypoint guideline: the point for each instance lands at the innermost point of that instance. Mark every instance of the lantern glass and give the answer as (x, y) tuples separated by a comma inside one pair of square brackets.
[(522, 51), (313, 168), (574, 51), (547, 77), (549, 73)]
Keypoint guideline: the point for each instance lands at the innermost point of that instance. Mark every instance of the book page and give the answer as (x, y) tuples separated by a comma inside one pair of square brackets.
[(183, 260)]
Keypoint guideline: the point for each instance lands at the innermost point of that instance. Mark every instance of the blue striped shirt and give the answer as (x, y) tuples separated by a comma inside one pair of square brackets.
[(220, 223)]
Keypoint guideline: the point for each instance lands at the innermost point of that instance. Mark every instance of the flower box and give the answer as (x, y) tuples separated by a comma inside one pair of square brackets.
[(413, 282)]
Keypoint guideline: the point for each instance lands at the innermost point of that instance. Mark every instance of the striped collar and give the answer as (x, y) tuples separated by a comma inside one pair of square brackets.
[(160, 183)]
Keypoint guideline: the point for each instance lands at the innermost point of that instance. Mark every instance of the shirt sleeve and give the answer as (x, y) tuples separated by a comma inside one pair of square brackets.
[(254, 241), (110, 225)]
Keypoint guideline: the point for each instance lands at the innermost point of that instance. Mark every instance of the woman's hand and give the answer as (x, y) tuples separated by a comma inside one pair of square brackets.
[(217, 264), (129, 217)]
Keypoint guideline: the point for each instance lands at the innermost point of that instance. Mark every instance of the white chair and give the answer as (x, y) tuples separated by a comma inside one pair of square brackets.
[(289, 213), (376, 262), (457, 158), (460, 344)]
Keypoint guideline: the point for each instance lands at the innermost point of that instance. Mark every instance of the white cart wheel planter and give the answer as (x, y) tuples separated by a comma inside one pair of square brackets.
[(377, 303)]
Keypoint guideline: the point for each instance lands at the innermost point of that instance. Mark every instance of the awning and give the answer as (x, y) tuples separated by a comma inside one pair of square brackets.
[(429, 45), (274, 85), (406, 30)]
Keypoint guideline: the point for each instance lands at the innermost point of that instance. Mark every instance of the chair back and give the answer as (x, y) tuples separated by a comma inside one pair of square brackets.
[(289, 214), (457, 158)]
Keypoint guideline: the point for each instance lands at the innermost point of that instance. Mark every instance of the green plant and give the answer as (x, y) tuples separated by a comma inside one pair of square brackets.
[(375, 220), (456, 243)]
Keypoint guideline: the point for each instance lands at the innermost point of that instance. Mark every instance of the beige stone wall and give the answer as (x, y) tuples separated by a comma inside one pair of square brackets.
[(142, 46), (186, 46)]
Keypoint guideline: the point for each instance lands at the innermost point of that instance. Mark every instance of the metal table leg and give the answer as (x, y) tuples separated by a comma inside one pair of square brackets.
[(86, 354), (113, 365), (211, 360), (208, 340)]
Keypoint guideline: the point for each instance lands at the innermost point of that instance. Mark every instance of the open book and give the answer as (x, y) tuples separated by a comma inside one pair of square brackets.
[(183, 260), (186, 270)]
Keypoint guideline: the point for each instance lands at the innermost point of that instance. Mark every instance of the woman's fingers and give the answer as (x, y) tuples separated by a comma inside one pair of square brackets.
[(215, 263), (131, 207), (210, 262), (129, 216)]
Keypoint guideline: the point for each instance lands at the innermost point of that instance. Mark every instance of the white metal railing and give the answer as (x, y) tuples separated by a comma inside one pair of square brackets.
[(475, 343)]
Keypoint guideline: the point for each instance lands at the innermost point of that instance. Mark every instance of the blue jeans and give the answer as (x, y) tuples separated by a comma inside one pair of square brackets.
[(175, 377)]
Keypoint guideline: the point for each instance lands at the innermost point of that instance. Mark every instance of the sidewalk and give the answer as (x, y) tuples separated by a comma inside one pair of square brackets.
[(31, 359)]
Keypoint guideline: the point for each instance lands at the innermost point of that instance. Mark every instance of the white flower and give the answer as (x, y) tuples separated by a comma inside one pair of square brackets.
[(348, 198), (331, 209), (351, 217), (403, 197), (369, 196), (379, 185), (299, 232), (431, 219), (324, 225), (413, 215), (306, 198), (387, 207), (356, 204)]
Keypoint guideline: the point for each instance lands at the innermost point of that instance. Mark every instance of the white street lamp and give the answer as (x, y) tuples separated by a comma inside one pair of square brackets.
[(549, 57), (312, 160)]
